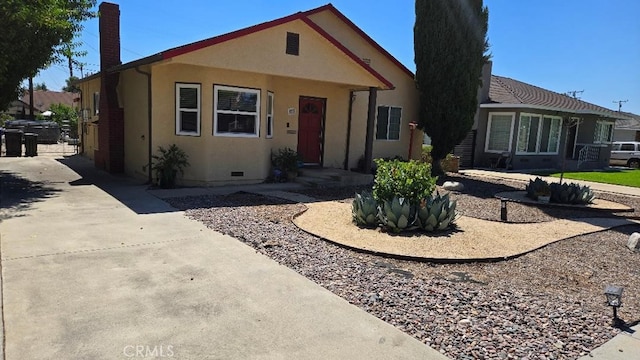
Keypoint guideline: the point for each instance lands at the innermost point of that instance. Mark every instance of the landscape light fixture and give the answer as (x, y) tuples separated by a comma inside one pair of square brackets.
[(503, 209), (614, 299)]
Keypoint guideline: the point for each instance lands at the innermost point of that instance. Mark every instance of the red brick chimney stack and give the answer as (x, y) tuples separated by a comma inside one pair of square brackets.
[(109, 24), (110, 153)]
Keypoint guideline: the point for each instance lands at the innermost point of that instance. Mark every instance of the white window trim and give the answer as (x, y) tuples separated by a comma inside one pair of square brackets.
[(539, 134), (487, 136), (96, 103), (557, 151), (389, 123), (179, 109), (270, 100), (216, 111), (600, 123)]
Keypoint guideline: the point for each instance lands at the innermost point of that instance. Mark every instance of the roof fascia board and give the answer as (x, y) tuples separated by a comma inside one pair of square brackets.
[(363, 35), (347, 52), (228, 36), (549, 108)]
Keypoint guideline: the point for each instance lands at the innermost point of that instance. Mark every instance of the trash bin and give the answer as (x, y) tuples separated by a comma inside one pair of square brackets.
[(31, 144), (13, 142)]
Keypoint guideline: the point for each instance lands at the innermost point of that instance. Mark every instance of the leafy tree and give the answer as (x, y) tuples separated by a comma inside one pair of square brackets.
[(62, 112), (41, 86), (32, 34), (71, 86), (450, 43), (67, 54)]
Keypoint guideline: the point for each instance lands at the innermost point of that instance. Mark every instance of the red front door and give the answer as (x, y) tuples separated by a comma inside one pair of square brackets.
[(310, 129)]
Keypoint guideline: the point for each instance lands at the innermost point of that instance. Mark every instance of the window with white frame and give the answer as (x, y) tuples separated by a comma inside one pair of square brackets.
[(236, 111), (603, 133), (188, 109), (499, 132), (388, 123), (96, 103), (269, 115), (538, 134)]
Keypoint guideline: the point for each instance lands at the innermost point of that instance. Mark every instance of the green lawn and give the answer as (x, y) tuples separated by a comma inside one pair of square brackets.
[(616, 177)]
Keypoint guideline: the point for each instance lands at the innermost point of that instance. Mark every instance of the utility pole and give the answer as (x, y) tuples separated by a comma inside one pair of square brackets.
[(574, 93), (620, 102)]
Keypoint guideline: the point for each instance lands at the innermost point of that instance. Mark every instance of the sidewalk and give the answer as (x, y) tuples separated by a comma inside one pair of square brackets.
[(618, 189), (94, 267)]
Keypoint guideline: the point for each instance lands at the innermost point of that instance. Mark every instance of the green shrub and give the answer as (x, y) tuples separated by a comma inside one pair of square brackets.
[(286, 160), (410, 180), (167, 164), (448, 164)]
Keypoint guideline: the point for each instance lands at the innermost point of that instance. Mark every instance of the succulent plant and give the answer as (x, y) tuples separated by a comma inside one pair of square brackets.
[(398, 214), (436, 213), (365, 210), (538, 187), (571, 194)]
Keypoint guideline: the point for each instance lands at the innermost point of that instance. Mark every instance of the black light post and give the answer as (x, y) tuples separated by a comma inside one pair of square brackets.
[(503, 210), (614, 299)]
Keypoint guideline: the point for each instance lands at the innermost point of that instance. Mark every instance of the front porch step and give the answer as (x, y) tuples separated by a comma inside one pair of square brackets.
[(332, 177)]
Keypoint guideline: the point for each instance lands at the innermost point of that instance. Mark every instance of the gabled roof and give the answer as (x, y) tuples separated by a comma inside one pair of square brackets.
[(505, 92), (303, 16), (43, 99)]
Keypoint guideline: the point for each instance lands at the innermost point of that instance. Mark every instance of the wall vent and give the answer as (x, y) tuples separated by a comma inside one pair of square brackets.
[(293, 44), (237, 173)]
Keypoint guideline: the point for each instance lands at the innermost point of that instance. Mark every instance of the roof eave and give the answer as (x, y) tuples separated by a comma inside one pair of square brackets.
[(551, 108)]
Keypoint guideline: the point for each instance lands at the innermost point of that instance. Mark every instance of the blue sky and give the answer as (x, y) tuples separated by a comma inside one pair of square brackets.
[(568, 45)]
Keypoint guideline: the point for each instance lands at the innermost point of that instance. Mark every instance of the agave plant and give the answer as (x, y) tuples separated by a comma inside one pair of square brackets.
[(436, 213), (571, 194), (537, 187), (365, 210), (398, 214)]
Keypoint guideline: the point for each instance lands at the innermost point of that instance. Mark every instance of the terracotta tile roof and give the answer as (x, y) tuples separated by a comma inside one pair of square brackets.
[(506, 91), (42, 99)]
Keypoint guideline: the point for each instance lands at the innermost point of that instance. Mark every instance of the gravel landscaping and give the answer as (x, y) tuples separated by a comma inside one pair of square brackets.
[(548, 304)]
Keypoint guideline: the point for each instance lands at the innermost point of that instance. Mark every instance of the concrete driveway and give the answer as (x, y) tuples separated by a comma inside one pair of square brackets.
[(93, 267)]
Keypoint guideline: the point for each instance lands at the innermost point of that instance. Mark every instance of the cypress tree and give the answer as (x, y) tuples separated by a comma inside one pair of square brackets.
[(450, 44)]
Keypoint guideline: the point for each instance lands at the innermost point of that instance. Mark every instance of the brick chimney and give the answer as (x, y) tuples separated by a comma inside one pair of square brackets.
[(110, 153)]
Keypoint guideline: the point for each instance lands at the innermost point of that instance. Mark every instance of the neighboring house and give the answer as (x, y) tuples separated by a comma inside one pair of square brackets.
[(43, 99), (19, 109), (312, 81), (522, 126), (627, 129)]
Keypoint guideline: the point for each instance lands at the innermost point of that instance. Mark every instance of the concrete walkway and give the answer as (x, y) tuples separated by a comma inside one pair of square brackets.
[(93, 267), (617, 189)]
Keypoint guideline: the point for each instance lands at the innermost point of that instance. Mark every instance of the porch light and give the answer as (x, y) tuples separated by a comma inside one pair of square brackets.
[(614, 299)]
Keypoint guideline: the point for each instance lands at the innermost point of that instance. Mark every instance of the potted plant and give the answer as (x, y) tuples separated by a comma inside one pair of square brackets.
[(167, 164), (286, 161)]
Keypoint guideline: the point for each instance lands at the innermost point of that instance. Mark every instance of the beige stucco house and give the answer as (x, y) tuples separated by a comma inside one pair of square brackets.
[(314, 82)]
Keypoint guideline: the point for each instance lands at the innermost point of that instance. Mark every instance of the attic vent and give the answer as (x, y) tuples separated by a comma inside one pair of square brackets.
[(293, 44), (366, 61)]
